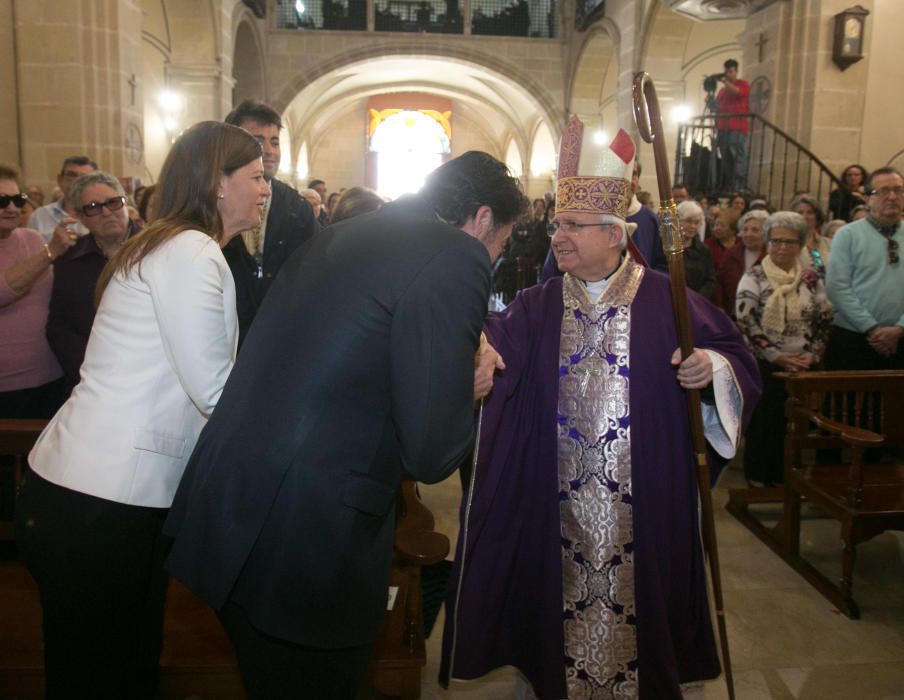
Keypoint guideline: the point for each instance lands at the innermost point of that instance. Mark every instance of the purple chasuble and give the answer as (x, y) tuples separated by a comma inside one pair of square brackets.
[(508, 601)]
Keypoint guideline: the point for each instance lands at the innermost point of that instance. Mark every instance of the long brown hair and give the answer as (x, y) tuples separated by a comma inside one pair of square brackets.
[(186, 195)]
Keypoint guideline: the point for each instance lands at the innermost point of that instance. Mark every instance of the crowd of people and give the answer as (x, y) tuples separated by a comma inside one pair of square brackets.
[(229, 365)]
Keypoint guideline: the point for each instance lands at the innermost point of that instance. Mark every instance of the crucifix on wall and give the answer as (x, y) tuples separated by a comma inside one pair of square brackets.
[(761, 44), (133, 83)]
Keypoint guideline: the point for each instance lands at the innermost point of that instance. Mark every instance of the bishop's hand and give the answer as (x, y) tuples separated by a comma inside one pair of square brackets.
[(696, 372), (486, 362)]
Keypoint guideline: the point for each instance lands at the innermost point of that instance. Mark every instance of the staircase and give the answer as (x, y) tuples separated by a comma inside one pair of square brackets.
[(778, 166)]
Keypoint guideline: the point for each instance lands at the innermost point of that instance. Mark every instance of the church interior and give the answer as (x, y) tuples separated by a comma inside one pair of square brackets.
[(378, 93)]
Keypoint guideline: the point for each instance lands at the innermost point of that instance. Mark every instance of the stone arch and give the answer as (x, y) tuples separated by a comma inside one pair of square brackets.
[(664, 42), (593, 91), (513, 158), (538, 94), (194, 29), (248, 65)]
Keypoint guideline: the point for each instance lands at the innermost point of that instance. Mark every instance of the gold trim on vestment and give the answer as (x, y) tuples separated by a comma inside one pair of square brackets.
[(594, 469)]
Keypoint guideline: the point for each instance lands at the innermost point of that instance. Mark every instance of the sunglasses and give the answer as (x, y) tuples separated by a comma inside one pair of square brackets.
[(112, 204), (18, 200)]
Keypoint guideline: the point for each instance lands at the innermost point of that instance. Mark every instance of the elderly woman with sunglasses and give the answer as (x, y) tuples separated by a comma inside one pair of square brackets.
[(98, 200), (29, 372), (784, 315)]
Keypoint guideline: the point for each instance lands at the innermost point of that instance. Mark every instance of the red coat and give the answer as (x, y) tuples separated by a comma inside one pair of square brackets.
[(728, 275)]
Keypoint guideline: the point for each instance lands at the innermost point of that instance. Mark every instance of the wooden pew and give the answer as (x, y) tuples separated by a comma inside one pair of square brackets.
[(846, 418), (17, 437), (400, 653)]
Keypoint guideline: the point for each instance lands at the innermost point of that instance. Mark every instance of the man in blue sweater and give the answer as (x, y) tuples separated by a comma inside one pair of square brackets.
[(865, 282)]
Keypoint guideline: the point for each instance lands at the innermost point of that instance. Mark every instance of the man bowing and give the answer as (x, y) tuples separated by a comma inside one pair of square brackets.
[(360, 363)]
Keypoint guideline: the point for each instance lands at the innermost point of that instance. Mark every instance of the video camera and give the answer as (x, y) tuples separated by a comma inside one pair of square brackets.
[(711, 82)]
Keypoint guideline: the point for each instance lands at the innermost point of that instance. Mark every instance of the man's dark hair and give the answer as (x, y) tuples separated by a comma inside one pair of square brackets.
[(77, 160), (886, 170), (313, 183), (730, 63), (679, 186), (458, 188), (254, 111)]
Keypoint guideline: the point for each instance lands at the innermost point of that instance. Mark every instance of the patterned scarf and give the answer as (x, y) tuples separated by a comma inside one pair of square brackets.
[(886, 230), (784, 304)]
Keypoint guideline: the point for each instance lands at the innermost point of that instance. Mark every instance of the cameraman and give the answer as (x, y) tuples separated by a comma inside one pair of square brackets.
[(732, 131)]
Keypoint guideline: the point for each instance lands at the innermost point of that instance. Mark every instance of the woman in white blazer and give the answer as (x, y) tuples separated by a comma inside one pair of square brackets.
[(105, 469)]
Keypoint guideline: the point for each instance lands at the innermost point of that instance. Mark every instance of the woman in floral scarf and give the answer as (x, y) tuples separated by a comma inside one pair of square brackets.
[(784, 315)]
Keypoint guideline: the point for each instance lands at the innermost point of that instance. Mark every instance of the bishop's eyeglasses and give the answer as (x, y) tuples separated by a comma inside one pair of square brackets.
[(572, 227)]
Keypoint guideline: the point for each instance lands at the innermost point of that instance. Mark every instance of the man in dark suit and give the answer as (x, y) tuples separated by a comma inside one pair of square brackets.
[(360, 364), (257, 255)]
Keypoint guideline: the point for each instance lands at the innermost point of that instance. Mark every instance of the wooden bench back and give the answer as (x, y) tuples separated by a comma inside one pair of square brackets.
[(871, 400)]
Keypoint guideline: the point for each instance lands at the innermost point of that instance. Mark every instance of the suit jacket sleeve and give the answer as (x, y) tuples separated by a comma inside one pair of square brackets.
[(435, 331), (187, 293)]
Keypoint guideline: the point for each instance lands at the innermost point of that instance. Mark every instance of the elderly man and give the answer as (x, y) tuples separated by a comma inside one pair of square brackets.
[(313, 198), (580, 561), (257, 255), (99, 202), (46, 218), (865, 282)]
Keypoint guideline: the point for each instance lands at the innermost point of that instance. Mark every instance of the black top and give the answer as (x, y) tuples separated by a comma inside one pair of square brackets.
[(290, 222), (71, 312), (699, 271)]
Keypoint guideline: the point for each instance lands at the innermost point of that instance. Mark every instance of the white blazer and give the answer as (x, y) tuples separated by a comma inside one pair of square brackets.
[(161, 347)]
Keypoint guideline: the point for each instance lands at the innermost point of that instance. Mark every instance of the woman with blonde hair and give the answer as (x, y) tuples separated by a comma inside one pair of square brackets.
[(103, 473)]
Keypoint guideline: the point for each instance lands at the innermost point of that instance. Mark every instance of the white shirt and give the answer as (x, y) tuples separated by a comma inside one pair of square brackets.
[(45, 219)]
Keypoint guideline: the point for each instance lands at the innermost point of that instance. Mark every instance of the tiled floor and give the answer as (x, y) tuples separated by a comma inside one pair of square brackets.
[(787, 641)]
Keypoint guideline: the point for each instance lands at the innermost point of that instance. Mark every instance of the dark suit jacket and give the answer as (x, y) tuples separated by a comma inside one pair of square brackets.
[(360, 363), (290, 222)]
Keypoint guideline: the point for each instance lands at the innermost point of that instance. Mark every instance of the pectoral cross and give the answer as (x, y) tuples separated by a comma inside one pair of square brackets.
[(588, 371)]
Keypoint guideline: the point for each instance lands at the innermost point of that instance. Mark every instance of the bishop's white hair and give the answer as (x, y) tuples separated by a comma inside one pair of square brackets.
[(622, 225)]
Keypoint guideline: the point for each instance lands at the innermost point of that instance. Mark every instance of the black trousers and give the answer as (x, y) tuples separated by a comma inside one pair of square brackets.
[(847, 350), (274, 669), (99, 569), (764, 441)]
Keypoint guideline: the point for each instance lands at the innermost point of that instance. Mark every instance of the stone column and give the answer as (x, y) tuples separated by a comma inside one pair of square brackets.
[(78, 94), (9, 113)]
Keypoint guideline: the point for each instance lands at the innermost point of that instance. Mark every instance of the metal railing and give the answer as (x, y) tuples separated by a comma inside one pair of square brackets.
[(524, 18), (778, 166)]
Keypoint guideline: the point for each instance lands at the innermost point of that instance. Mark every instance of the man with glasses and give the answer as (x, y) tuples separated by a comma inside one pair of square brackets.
[(47, 218), (865, 282), (580, 538), (99, 202)]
